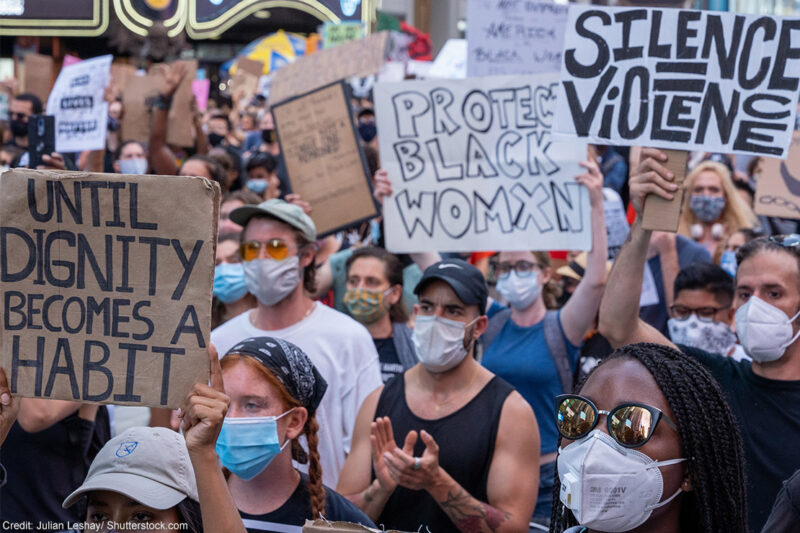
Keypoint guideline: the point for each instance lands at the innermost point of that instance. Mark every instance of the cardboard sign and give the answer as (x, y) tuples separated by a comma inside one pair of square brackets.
[(78, 103), (248, 72), (38, 75), (323, 158), (355, 58), (514, 37), (140, 91), (661, 214), (778, 189), (473, 167), (335, 34), (106, 293), (180, 124), (679, 79)]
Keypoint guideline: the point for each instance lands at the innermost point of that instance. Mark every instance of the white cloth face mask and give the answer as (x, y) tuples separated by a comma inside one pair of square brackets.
[(519, 292), (764, 330), (710, 336), (609, 487), (270, 280), (439, 342)]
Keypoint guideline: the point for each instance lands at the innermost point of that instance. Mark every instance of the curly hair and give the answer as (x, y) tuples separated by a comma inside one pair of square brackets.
[(709, 436)]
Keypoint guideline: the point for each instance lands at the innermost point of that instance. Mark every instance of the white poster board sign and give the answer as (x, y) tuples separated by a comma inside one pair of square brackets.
[(451, 63), (679, 79), (514, 37), (473, 167), (78, 104)]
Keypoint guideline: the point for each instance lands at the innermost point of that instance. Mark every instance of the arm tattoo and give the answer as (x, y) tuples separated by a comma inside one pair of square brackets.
[(470, 515)]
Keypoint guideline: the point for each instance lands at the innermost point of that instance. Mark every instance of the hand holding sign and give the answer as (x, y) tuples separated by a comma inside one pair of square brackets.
[(9, 407), (651, 177), (204, 409)]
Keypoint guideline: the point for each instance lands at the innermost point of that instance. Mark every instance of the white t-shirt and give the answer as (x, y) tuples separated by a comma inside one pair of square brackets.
[(343, 352)]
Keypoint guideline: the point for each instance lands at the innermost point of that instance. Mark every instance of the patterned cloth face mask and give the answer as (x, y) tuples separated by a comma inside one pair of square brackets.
[(366, 305)]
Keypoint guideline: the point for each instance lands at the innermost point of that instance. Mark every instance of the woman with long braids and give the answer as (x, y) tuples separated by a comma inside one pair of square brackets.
[(648, 444), (274, 392)]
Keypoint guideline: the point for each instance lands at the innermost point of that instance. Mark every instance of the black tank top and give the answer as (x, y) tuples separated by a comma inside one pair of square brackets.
[(466, 441)]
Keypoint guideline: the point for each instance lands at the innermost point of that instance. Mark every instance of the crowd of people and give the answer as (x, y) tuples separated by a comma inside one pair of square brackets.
[(490, 391)]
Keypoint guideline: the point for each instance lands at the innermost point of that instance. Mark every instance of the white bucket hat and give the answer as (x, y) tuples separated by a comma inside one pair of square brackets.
[(149, 465)]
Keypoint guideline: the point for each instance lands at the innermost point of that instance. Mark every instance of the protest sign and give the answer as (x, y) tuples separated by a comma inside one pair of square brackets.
[(245, 80), (200, 89), (106, 292), (451, 63), (38, 75), (514, 37), (334, 34), (355, 58), (778, 188), (180, 125), (139, 94), (473, 167), (679, 79), (78, 104), (323, 157)]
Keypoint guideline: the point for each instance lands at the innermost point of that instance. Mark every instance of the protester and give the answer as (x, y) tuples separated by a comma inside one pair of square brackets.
[(534, 349), (231, 201), (667, 456), (470, 447), (278, 249), (206, 167), (702, 316), (374, 297), (231, 297), (763, 394), (712, 209), (21, 108), (130, 158), (230, 164), (10, 156), (262, 176), (156, 478), (275, 392)]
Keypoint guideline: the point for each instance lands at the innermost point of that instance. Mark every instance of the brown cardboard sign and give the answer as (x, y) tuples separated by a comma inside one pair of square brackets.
[(136, 100), (323, 158), (661, 214), (180, 125), (38, 75), (355, 58), (778, 189), (324, 526), (105, 288)]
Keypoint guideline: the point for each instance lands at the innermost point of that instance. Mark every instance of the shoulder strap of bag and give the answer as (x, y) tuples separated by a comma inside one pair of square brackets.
[(558, 350)]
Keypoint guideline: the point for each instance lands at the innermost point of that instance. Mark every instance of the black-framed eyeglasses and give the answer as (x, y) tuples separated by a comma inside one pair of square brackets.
[(630, 424), (522, 268), (789, 240), (704, 314)]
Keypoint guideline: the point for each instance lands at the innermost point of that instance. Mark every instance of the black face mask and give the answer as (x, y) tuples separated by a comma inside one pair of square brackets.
[(215, 139), (19, 128), (268, 136)]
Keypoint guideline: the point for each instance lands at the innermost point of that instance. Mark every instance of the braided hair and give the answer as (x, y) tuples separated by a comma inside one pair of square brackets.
[(709, 436)]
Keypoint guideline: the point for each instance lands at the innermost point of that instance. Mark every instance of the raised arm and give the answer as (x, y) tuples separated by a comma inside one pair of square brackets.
[(162, 160), (619, 309), (578, 314), (202, 414), (516, 456)]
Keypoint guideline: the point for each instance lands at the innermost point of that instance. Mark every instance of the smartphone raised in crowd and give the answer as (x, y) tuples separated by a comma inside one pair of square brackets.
[(41, 138)]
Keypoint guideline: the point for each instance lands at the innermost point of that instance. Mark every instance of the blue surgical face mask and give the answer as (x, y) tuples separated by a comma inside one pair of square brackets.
[(258, 186), (707, 208), (247, 445), (229, 284), (137, 165)]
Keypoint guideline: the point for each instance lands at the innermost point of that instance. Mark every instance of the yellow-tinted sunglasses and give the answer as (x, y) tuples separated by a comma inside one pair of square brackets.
[(276, 249)]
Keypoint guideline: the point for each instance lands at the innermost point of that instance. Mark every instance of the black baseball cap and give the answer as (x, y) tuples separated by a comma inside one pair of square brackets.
[(465, 280)]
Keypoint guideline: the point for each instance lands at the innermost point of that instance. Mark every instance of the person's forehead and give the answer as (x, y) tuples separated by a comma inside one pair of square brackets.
[(132, 148), (368, 266), (621, 381), (768, 268), (516, 256), (696, 298), (708, 178), (195, 168), (241, 379), (21, 106), (263, 228)]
